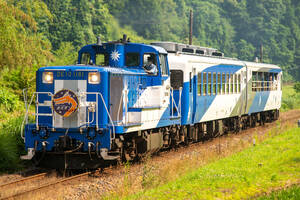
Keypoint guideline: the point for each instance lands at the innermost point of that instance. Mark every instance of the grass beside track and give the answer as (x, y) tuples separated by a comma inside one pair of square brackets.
[(273, 163), (292, 193)]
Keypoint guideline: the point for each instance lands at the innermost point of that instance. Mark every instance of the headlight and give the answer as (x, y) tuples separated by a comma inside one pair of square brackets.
[(94, 77), (47, 77)]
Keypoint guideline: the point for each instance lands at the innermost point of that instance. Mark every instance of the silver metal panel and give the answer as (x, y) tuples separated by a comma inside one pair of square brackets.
[(79, 117), (116, 100)]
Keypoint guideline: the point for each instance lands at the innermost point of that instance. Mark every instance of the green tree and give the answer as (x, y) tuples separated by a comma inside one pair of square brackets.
[(22, 49)]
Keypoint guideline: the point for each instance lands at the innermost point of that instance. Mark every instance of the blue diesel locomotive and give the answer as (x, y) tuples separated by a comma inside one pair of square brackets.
[(124, 99)]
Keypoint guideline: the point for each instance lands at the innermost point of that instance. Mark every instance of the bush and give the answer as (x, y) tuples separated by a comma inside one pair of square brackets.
[(297, 87), (8, 100), (11, 145)]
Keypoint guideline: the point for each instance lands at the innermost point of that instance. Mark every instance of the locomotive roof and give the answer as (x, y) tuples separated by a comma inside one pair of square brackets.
[(127, 44)]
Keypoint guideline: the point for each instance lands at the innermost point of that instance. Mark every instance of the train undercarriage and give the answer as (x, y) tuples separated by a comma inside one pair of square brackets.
[(133, 146)]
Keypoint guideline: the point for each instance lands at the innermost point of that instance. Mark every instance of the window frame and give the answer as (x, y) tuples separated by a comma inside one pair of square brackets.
[(214, 83), (178, 81), (199, 84), (209, 83), (88, 60), (223, 82), (165, 64), (204, 81), (219, 83), (227, 91), (106, 59), (139, 57)]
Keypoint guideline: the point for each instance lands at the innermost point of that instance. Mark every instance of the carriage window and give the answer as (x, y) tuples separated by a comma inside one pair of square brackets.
[(85, 58), (231, 83), (204, 84), (176, 79), (199, 84), (102, 59), (264, 81), (163, 64), (227, 83), (239, 83), (275, 81), (260, 79), (223, 83), (254, 81), (219, 83), (209, 83), (132, 59), (235, 84), (214, 86)]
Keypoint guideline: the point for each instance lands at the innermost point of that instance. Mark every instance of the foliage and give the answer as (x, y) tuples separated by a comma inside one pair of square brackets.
[(11, 145), (8, 100), (65, 55), (20, 45), (297, 87), (237, 28), (290, 99)]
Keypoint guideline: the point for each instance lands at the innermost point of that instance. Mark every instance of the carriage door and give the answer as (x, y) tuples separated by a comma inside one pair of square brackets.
[(176, 85), (244, 89), (194, 82)]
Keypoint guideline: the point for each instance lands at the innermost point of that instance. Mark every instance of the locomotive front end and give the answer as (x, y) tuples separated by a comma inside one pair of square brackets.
[(71, 119)]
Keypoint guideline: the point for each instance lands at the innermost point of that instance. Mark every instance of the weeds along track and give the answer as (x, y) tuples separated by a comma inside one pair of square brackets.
[(39, 182)]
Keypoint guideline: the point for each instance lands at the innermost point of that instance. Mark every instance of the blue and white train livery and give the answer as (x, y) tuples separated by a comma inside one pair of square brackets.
[(124, 99)]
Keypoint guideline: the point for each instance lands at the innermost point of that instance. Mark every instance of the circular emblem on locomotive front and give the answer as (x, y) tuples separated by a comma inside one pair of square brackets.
[(65, 102)]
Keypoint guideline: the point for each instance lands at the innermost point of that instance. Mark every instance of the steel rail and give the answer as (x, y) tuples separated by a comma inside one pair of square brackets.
[(45, 186), (24, 179)]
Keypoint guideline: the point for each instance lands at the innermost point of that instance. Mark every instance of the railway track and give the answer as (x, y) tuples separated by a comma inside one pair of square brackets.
[(40, 187), (30, 178), (22, 194)]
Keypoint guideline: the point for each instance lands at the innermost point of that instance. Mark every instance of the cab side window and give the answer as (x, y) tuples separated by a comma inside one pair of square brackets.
[(85, 58), (132, 59), (150, 63), (163, 64)]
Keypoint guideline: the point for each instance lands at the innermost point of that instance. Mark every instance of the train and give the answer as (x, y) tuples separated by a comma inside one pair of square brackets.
[(123, 100)]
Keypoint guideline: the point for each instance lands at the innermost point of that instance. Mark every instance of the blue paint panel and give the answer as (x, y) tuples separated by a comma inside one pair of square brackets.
[(223, 68), (185, 103), (259, 102), (275, 70), (202, 103), (166, 120)]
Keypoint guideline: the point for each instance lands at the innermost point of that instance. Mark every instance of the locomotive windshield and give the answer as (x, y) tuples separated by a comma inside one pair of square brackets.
[(102, 59), (132, 59)]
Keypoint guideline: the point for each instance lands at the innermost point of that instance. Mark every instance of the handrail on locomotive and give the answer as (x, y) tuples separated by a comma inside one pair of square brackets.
[(37, 114), (27, 106)]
